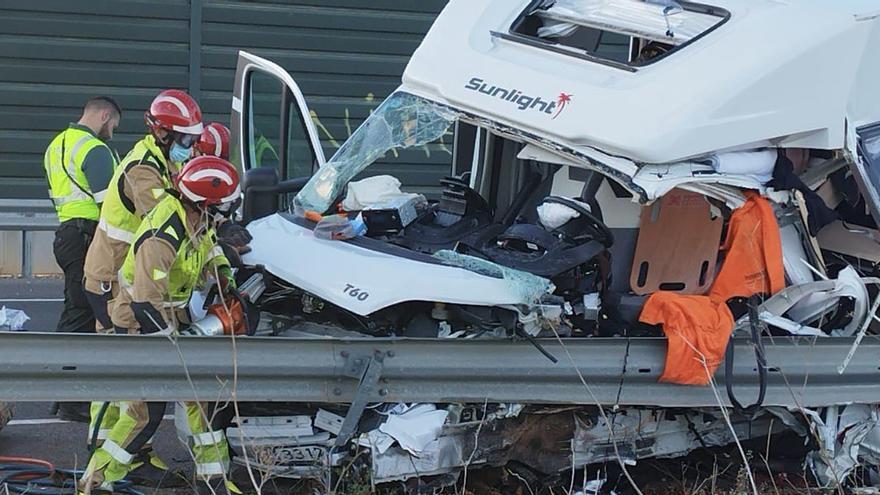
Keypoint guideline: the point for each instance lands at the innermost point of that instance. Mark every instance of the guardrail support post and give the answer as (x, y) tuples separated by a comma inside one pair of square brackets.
[(368, 369), (27, 244)]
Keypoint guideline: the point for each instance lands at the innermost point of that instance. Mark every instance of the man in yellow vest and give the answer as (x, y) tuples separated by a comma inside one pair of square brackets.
[(78, 165), (174, 120), (174, 250)]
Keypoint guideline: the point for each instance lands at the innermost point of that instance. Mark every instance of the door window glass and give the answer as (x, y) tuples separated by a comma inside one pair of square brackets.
[(277, 131), (264, 111), (301, 160)]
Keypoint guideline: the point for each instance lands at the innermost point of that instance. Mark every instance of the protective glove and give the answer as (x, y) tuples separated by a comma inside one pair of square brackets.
[(235, 235), (227, 280), (232, 254)]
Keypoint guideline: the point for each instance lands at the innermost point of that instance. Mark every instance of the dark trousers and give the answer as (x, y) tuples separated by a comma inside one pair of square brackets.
[(72, 241)]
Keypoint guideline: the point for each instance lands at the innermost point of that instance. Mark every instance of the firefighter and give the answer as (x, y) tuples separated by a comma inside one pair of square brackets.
[(214, 141), (173, 250), (78, 165), (174, 121)]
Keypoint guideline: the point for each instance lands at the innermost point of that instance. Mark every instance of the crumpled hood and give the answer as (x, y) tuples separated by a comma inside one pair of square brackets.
[(363, 280)]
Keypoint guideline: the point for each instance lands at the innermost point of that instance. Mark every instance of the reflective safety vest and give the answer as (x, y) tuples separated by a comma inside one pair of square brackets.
[(68, 186), (167, 221), (119, 219)]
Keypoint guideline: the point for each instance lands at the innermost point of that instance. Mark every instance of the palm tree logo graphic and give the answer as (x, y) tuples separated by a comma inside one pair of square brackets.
[(561, 101)]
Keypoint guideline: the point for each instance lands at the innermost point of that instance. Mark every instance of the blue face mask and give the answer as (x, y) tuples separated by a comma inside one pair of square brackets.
[(179, 154)]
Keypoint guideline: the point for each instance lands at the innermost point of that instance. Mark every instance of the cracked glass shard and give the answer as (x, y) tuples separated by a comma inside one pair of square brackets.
[(402, 121), (530, 288)]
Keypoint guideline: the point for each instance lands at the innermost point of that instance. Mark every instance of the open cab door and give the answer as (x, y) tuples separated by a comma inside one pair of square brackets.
[(274, 142)]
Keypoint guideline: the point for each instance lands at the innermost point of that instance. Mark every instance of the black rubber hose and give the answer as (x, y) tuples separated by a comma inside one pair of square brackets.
[(760, 358), (93, 438), (46, 480)]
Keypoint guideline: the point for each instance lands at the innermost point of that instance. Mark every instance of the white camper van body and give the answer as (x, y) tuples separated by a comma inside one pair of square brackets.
[(739, 76)]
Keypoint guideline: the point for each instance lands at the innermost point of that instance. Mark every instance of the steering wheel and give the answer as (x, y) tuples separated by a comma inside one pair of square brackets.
[(586, 222)]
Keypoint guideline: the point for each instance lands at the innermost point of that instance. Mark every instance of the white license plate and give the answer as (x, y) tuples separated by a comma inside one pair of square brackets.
[(299, 455)]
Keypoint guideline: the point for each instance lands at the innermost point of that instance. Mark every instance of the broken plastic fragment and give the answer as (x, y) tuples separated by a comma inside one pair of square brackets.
[(530, 288), (593, 487), (376, 441), (789, 419), (444, 455), (401, 121), (328, 421), (511, 410), (790, 326), (641, 434), (848, 285), (12, 319), (805, 302), (415, 428), (845, 438)]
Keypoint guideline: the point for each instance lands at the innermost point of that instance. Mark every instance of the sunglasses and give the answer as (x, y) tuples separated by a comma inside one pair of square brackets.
[(186, 140)]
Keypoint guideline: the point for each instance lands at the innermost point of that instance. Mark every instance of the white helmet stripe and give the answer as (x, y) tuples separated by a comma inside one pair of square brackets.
[(201, 174), (189, 194), (176, 102), (232, 197), (218, 143), (193, 129)]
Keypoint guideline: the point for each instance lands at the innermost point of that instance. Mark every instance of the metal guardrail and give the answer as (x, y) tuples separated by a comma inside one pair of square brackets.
[(27, 216), (70, 367)]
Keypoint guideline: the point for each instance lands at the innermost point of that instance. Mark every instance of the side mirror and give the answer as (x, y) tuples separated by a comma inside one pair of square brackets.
[(260, 190)]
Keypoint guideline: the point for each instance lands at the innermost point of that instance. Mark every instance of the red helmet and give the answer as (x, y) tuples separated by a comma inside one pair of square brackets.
[(175, 110), (208, 180), (215, 140)]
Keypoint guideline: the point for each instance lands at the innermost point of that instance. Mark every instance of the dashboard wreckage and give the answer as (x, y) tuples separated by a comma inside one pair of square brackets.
[(713, 174)]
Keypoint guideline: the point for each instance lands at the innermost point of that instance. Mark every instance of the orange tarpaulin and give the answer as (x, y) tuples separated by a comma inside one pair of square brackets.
[(698, 327), (753, 259), (694, 325)]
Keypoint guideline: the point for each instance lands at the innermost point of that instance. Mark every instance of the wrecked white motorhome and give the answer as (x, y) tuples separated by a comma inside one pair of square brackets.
[(714, 173)]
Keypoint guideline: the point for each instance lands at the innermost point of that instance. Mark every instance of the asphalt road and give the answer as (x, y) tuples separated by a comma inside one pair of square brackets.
[(33, 431)]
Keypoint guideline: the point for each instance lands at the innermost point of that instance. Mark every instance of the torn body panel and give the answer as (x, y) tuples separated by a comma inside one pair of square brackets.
[(847, 436), (547, 440), (643, 433), (327, 268)]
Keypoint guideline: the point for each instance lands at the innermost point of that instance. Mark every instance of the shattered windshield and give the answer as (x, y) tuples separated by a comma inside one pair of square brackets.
[(401, 121)]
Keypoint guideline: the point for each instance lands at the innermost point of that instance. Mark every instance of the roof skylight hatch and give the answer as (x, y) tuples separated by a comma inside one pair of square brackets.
[(623, 33)]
